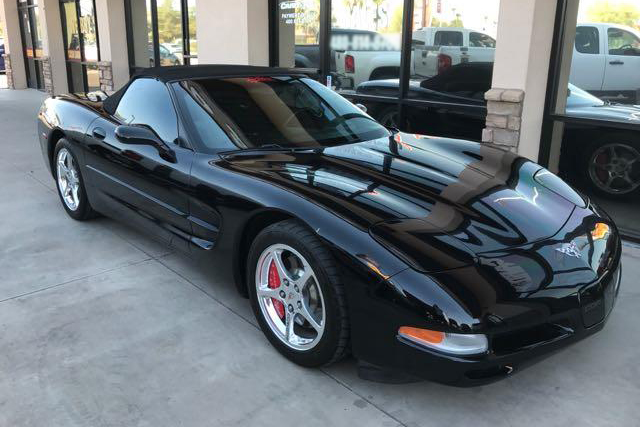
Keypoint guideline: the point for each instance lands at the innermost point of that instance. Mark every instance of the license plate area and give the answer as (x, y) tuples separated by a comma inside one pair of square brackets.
[(597, 300)]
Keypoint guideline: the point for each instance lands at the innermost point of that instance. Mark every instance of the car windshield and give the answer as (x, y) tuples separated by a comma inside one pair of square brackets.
[(577, 97), (281, 111)]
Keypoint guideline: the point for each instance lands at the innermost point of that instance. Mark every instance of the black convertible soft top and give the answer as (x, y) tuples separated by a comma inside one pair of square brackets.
[(187, 72)]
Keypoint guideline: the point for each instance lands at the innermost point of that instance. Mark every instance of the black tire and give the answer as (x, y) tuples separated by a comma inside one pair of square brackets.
[(334, 342), (594, 178), (84, 211)]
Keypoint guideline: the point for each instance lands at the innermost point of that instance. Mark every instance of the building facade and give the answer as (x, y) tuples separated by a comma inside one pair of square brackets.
[(503, 71)]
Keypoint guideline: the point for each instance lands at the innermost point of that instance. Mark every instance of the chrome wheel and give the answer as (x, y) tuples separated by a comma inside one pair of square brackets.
[(615, 168), (68, 179), (289, 297)]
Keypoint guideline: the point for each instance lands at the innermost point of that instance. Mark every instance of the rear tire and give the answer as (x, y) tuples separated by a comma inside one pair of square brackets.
[(297, 295), (70, 183)]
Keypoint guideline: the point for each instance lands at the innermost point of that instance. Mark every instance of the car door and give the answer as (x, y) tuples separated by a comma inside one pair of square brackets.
[(141, 183), (622, 72), (587, 66)]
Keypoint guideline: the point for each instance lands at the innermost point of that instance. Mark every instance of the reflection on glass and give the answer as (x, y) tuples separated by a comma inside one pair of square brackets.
[(193, 40), (170, 32), (93, 78), (365, 41), (88, 30), (141, 33), (76, 73), (298, 33), (36, 27), (26, 33), (70, 25)]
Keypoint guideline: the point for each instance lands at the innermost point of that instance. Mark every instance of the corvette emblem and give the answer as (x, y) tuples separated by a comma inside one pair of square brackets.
[(570, 249)]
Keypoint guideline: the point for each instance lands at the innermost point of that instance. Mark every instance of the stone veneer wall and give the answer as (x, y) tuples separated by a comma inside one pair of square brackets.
[(7, 67), (106, 77), (504, 116), (46, 73)]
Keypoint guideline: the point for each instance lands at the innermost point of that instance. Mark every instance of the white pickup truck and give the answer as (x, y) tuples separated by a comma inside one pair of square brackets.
[(606, 61), (433, 50)]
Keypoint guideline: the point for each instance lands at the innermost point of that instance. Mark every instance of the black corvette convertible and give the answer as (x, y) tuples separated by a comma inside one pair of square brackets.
[(437, 258)]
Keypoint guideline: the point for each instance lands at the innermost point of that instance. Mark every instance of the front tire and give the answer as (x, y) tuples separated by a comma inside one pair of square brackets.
[(297, 296), (70, 183)]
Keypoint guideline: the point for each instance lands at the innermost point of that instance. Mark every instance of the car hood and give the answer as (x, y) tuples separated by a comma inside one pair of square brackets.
[(618, 112), (435, 202)]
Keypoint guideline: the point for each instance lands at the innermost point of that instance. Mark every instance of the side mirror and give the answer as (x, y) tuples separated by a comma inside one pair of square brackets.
[(142, 135), (362, 107)]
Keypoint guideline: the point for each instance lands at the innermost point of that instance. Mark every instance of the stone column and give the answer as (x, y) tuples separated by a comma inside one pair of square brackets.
[(114, 56), (516, 102), (16, 73), (54, 64), (7, 67)]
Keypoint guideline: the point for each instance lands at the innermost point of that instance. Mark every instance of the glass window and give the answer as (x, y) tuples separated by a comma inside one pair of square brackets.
[(147, 101), (70, 28), (365, 42), (193, 40), (76, 77), (170, 32), (599, 83), (199, 115), (623, 42), (298, 33), (93, 77), (141, 34), (286, 111), (448, 38), (587, 40), (88, 30), (481, 40)]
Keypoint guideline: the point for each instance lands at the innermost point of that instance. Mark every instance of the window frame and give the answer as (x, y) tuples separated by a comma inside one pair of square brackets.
[(82, 61), (186, 38), (179, 121), (609, 30)]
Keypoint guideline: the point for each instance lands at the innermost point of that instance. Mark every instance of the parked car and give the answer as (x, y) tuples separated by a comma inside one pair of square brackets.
[(606, 61), (415, 254), (434, 49), (2, 69), (606, 160), (167, 58), (308, 55)]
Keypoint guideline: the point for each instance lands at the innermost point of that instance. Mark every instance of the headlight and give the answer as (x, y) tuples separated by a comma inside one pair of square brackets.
[(446, 342)]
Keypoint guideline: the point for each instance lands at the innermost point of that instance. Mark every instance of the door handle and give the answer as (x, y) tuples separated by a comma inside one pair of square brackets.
[(99, 133), (616, 62)]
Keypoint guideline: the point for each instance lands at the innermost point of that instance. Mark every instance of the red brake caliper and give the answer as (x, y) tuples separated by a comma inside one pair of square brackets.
[(274, 283)]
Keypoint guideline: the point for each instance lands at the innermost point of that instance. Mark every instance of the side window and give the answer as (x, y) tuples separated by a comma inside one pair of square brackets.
[(147, 102), (448, 38), (623, 42), (198, 114), (481, 40), (587, 40)]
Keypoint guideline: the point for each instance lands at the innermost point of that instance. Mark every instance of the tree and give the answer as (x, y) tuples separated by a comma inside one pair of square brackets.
[(378, 17), (615, 13)]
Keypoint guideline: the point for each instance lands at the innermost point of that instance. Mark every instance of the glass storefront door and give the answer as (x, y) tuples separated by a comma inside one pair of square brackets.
[(161, 33), (81, 43), (31, 42), (594, 117)]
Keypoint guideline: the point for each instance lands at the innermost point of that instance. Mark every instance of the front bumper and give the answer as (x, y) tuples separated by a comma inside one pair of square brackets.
[(512, 351)]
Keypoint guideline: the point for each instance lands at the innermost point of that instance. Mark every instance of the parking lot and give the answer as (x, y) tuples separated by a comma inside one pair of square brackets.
[(100, 326)]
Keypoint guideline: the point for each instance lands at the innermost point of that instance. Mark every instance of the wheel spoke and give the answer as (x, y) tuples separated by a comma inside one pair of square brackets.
[(269, 293), (304, 312), (288, 327), (282, 271)]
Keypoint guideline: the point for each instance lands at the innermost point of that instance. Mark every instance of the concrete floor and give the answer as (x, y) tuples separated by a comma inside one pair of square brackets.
[(100, 326)]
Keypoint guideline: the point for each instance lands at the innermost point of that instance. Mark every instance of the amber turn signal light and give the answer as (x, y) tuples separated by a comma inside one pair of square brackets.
[(431, 337)]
